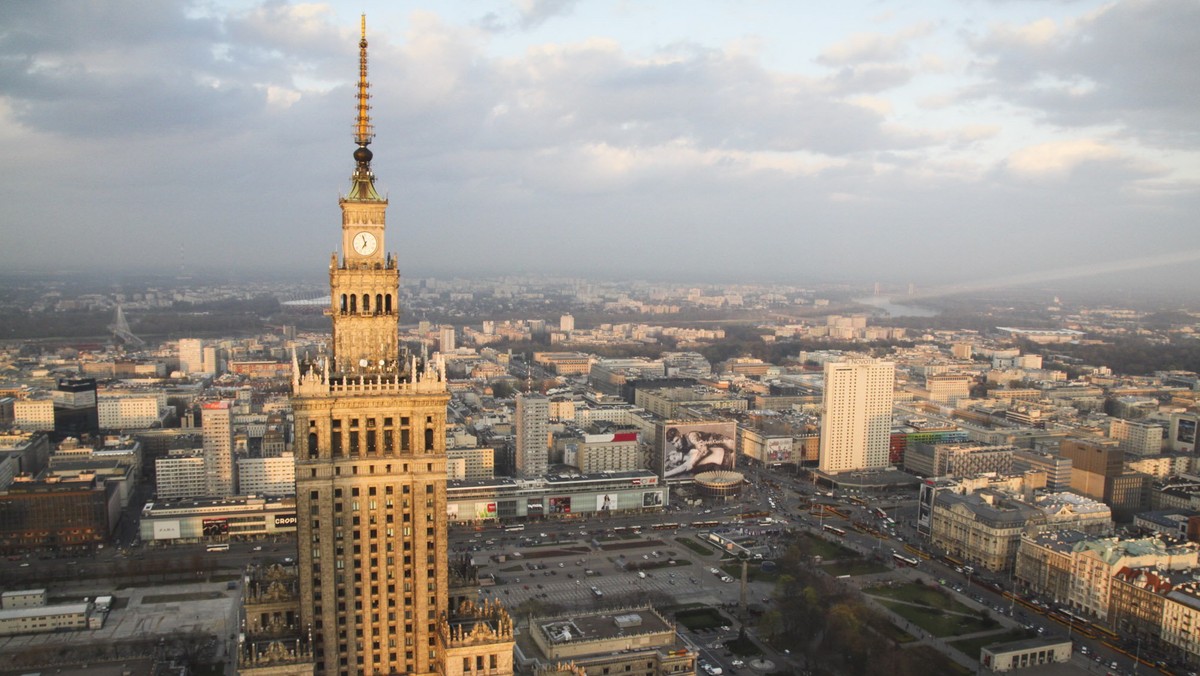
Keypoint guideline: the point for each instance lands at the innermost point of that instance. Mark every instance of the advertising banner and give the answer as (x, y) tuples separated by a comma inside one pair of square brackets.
[(533, 506), (285, 521), (166, 530), (778, 449), (652, 499), (215, 527), (452, 511), (485, 510), (560, 505), (606, 502), (692, 448)]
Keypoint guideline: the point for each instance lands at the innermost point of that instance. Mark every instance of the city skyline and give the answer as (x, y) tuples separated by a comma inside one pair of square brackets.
[(997, 139)]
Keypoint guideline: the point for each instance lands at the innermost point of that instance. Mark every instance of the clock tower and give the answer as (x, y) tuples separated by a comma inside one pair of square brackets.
[(364, 282)]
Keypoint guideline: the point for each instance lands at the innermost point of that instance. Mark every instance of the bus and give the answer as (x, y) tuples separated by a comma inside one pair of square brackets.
[(835, 530), (514, 529), (665, 526), (705, 524), (902, 560), (218, 548)]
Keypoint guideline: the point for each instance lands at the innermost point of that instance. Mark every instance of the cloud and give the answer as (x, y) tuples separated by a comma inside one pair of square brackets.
[(873, 47), (529, 15), (1058, 158), (1133, 64)]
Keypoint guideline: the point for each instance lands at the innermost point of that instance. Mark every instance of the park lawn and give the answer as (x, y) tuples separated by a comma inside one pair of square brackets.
[(938, 622), (743, 647), (754, 572), (922, 595), (938, 663), (702, 618), (826, 549), (887, 629), (696, 546), (971, 646), (855, 567)]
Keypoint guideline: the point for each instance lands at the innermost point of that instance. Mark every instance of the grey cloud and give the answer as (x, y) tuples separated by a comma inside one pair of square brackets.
[(530, 14), (873, 47), (1135, 64)]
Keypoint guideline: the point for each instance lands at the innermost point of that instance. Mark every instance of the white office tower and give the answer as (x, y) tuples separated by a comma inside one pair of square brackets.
[(856, 424), (533, 435), (191, 355), (446, 339), (566, 323), (216, 420)]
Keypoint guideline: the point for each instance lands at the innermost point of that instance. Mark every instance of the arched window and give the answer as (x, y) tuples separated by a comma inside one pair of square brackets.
[(378, 303), (312, 444), (343, 302), (428, 440), (366, 302), (388, 303), (353, 303)]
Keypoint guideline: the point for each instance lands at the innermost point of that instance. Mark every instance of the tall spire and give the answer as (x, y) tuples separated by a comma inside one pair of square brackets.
[(363, 133), (362, 183)]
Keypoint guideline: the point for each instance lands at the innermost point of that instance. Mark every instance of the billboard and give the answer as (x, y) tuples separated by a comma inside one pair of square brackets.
[(285, 521), (778, 449), (606, 502), (533, 506), (485, 510), (452, 511), (691, 448), (652, 499), (560, 505), (215, 527), (166, 530)]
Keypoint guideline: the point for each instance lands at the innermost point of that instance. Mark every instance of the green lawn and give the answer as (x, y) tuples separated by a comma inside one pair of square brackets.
[(938, 663), (702, 618), (938, 622), (754, 572), (920, 594), (826, 549), (855, 567), (696, 546)]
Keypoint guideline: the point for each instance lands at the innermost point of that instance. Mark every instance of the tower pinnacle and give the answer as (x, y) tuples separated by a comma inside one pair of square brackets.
[(363, 132)]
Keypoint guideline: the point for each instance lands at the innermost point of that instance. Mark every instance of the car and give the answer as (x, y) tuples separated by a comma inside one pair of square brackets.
[(257, 548)]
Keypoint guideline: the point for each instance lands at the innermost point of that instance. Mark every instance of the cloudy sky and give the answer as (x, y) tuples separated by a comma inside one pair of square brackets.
[(745, 139)]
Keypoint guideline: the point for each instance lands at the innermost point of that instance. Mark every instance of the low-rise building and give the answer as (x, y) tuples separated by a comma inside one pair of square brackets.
[(1031, 652), (636, 641)]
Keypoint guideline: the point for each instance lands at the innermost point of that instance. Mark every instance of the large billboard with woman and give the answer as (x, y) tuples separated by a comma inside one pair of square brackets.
[(691, 448)]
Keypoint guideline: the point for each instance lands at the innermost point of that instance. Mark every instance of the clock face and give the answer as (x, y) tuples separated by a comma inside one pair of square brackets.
[(364, 243)]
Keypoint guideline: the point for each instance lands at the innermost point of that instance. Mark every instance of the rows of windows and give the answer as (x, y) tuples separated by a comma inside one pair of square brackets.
[(371, 436), (350, 303)]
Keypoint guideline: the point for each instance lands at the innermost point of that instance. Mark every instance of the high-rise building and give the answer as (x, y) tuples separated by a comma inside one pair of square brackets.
[(857, 420), (566, 323), (533, 435), (371, 470), (446, 338), (75, 410), (216, 424), (191, 355)]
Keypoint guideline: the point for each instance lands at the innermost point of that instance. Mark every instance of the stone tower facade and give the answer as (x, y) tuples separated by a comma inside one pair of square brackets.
[(370, 460), (370, 445)]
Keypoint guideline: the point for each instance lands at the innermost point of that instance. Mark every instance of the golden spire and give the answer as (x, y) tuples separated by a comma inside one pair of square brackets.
[(362, 128)]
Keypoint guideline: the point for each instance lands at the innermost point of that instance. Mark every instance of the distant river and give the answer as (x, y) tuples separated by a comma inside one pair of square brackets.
[(896, 309)]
